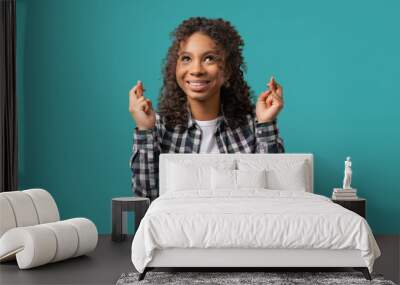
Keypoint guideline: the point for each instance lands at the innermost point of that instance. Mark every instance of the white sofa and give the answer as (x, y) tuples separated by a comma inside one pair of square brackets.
[(31, 231)]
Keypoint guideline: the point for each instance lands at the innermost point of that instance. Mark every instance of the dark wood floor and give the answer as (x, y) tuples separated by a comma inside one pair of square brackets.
[(111, 259)]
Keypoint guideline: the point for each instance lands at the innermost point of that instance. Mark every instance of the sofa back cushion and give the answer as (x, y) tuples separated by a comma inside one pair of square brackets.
[(26, 208)]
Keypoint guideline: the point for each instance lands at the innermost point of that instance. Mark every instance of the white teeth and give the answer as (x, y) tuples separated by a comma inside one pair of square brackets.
[(197, 83)]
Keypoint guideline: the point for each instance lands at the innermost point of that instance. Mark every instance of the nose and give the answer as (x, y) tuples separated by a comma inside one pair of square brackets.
[(197, 68)]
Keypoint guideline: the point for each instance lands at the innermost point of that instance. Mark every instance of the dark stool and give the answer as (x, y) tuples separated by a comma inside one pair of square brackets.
[(120, 207)]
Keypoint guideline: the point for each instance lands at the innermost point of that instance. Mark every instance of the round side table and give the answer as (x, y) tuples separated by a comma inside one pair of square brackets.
[(120, 207)]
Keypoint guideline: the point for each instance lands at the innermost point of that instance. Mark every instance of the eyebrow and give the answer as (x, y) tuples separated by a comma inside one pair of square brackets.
[(209, 51)]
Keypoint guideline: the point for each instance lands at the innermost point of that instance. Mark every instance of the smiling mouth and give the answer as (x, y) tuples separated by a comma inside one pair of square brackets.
[(198, 85)]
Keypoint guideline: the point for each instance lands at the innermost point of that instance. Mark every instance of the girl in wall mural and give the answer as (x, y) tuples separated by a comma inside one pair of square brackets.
[(204, 105)]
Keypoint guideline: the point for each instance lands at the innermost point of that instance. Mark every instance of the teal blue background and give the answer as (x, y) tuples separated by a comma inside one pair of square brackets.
[(338, 62)]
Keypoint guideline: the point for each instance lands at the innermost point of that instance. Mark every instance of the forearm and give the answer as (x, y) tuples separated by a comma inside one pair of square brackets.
[(267, 138), (144, 163)]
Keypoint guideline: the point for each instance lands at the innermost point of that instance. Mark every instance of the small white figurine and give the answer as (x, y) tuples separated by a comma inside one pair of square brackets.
[(347, 174)]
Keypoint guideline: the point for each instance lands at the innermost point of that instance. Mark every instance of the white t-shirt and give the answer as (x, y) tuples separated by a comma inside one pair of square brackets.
[(208, 141)]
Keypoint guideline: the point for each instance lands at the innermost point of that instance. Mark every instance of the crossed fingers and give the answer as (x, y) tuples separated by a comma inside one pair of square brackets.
[(276, 90), (138, 100)]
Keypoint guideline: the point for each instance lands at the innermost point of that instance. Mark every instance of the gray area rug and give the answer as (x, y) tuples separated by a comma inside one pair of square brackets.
[(229, 278)]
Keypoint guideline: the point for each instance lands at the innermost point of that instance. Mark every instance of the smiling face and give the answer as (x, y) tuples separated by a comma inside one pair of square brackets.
[(200, 68)]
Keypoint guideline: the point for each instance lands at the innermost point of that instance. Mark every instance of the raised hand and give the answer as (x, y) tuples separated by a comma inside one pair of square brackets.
[(141, 108), (270, 102)]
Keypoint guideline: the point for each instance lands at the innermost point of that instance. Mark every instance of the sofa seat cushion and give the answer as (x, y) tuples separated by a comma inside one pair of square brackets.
[(45, 243)]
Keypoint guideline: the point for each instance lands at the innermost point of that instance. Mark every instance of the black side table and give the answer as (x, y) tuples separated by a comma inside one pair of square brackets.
[(358, 205), (120, 207)]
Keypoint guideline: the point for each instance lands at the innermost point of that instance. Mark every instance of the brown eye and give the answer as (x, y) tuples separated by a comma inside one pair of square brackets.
[(210, 57), (185, 58)]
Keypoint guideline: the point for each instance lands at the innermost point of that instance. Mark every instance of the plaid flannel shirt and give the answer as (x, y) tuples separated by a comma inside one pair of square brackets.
[(254, 137)]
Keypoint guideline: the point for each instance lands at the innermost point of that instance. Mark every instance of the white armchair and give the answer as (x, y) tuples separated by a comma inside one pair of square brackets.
[(32, 233)]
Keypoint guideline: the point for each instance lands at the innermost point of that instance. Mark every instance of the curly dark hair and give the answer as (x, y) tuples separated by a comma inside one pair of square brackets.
[(236, 96)]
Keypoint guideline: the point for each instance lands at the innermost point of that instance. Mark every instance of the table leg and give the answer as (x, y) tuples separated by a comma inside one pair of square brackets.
[(116, 221), (124, 216)]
